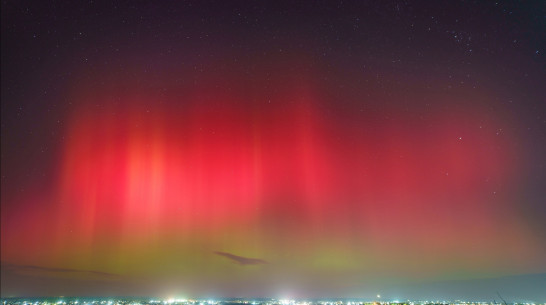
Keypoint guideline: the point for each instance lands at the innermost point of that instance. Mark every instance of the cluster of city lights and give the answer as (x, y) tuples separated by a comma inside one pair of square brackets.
[(174, 301)]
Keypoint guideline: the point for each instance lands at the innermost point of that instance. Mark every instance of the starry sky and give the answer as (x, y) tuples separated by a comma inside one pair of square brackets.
[(272, 149)]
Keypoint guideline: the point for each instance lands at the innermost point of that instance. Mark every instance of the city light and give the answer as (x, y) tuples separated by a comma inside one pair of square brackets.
[(173, 301)]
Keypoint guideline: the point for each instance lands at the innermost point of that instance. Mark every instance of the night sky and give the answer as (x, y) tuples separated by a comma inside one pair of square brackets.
[(305, 149)]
